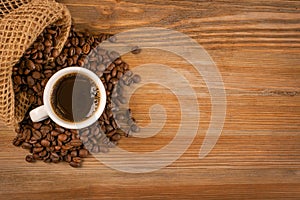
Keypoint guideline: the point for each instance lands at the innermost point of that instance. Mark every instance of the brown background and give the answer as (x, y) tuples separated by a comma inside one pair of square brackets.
[(256, 46)]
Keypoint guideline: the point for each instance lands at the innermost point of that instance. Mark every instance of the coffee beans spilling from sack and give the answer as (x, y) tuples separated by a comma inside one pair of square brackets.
[(48, 141)]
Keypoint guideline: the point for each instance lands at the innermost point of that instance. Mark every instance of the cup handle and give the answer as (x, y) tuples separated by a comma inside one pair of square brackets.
[(38, 114)]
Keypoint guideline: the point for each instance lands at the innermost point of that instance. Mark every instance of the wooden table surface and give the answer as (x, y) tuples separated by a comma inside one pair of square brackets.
[(256, 46)]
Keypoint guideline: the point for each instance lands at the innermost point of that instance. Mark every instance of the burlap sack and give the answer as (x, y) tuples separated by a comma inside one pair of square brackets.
[(21, 22)]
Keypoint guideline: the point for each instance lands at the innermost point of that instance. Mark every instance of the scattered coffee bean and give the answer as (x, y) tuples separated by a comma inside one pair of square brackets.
[(30, 158), (136, 50), (74, 164), (136, 78)]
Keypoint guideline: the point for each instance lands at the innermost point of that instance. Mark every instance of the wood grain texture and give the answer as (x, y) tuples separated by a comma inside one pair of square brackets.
[(256, 46)]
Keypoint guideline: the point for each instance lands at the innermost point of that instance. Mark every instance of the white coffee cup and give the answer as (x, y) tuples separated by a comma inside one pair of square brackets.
[(43, 112)]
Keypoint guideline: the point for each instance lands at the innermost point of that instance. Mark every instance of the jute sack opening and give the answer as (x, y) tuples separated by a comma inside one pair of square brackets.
[(21, 22)]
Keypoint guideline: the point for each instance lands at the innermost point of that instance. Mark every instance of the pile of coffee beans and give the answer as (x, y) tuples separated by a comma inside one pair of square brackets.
[(48, 141)]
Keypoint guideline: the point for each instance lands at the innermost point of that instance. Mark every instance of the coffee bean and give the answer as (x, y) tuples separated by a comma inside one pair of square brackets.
[(78, 50), (45, 129), (48, 43), (74, 164), (85, 132), (86, 49), (40, 47), (62, 137), (37, 134), (26, 145), (109, 128), (33, 140), (30, 158), (30, 65), (128, 113), (121, 132), (48, 73), (135, 128), (83, 153), (46, 52), (47, 160), (72, 51), (26, 72), (68, 133), (111, 133), (84, 139), (120, 116), (114, 81), (81, 41), (35, 89), (95, 149), (54, 133), (45, 143), (26, 132), (91, 40), (118, 61), (44, 82), (64, 152), (69, 61), (93, 140), (17, 80), (43, 154), (75, 41), (60, 129), (113, 39), (37, 149), (77, 159), (60, 60), (114, 73), (80, 62), (101, 67), (35, 56), (66, 147), (36, 125), (36, 156), (49, 137), (76, 143), (122, 100), (54, 53), (136, 78), (30, 81), (73, 153), (104, 149), (54, 157), (119, 75), (47, 122), (116, 137), (39, 101), (57, 148), (89, 146), (68, 158), (136, 50), (114, 124)]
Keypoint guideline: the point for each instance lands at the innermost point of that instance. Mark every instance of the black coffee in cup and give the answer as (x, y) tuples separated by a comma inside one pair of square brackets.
[(75, 97)]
